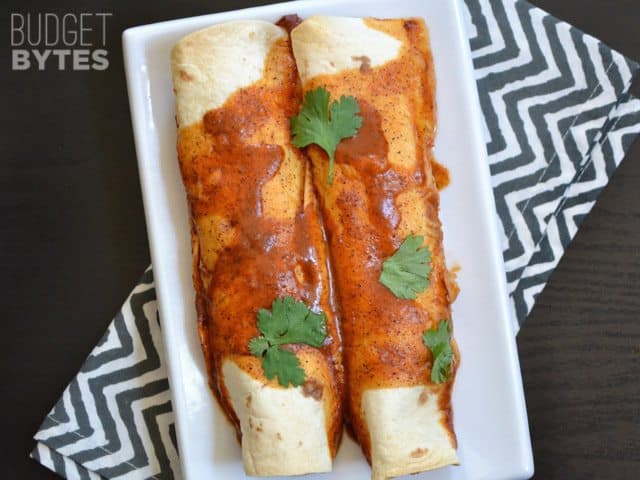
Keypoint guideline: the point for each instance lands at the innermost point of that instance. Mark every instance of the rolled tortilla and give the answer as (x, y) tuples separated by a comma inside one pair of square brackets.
[(256, 236), (384, 189)]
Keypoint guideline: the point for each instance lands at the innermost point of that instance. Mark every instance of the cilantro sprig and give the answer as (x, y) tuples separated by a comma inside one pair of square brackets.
[(438, 341), (406, 272), (325, 125), (289, 321)]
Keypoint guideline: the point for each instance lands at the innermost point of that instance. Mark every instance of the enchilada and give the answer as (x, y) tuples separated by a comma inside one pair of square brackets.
[(380, 202), (259, 254)]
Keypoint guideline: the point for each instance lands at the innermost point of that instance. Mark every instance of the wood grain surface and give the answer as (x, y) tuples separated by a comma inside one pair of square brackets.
[(73, 243)]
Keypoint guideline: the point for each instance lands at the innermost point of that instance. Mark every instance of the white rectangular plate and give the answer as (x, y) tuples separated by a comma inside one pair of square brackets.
[(489, 409)]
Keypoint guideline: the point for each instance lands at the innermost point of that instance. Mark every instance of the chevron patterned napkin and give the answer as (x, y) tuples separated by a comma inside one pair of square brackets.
[(558, 121)]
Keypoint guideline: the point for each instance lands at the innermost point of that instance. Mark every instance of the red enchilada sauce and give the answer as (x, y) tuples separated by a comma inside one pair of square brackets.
[(440, 174), (289, 22)]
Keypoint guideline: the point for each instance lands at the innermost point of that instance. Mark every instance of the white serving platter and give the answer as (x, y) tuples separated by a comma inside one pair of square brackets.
[(489, 408)]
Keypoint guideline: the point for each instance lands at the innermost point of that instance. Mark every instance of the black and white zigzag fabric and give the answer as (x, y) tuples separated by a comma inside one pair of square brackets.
[(558, 121), (550, 96), (115, 420)]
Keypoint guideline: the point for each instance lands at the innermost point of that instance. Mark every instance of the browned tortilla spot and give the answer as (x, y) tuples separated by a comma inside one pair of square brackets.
[(365, 62), (185, 76), (419, 452), (313, 389)]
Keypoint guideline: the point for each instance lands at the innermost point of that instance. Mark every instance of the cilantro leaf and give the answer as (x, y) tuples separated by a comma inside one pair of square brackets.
[(274, 322), (304, 325), (325, 125), (406, 272), (258, 346), (284, 364), (289, 321), (438, 341)]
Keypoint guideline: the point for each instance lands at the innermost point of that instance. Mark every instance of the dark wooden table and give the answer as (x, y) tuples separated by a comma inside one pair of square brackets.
[(73, 243)]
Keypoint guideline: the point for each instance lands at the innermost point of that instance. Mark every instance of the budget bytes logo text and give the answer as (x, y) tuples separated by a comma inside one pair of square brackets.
[(69, 41)]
